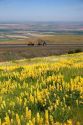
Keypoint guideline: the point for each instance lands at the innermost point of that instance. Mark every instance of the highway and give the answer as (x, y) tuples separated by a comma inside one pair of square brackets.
[(48, 45)]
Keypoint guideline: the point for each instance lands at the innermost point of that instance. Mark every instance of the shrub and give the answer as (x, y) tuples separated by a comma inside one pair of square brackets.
[(70, 52), (74, 51), (78, 50)]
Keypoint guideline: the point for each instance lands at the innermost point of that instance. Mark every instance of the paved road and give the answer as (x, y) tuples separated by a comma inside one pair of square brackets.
[(48, 45)]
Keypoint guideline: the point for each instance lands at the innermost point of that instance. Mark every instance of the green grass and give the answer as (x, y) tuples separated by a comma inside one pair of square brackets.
[(7, 40)]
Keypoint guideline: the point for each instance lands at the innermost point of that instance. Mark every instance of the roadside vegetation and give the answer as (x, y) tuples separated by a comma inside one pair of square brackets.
[(74, 51), (36, 93)]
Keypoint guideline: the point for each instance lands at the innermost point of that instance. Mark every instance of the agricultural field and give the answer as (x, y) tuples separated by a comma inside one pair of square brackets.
[(42, 91), (49, 38), (64, 38)]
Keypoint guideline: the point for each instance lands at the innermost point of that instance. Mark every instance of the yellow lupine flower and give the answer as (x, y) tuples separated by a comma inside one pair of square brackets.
[(69, 122), (33, 121), (46, 115), (29, 114), (38, 118), (30, 122), (0, 121), (7, 120), (78, 123), (18, 120), (31, 98)]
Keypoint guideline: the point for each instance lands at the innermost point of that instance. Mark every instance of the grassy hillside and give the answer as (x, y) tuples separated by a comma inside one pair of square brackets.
[(28, 52), (42, 91)]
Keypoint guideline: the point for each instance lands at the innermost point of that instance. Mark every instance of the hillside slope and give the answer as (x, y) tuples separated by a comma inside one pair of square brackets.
[(42, 91)]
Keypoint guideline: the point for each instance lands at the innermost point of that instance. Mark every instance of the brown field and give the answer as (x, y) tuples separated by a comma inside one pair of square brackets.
[(64, 38), (49, 39)]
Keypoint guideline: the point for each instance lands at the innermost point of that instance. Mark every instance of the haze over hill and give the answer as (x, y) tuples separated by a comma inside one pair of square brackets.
[(21, 19), (36, 29)]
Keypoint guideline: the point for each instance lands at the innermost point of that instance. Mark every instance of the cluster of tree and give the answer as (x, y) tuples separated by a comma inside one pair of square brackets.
[(39, 42), (74, 51)]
